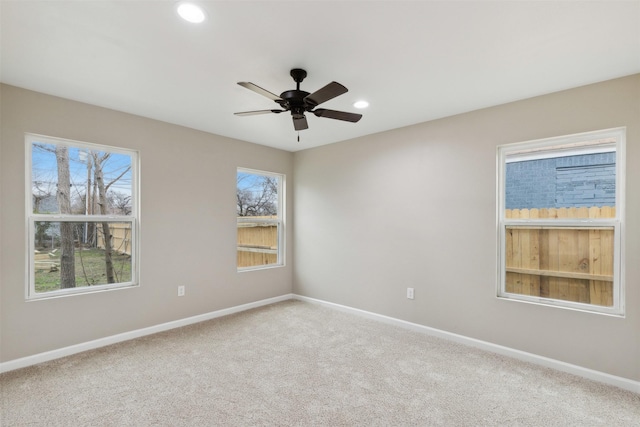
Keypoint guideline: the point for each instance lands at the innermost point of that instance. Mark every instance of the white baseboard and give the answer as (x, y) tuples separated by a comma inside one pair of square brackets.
[(102, 342), (623, 383)]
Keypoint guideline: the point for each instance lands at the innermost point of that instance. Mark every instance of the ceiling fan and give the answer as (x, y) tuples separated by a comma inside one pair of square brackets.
[(298, 101)]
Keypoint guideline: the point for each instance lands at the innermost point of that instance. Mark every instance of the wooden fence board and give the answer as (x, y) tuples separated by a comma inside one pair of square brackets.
[(559, 262), (120, 237), (257, 244), (606, 294)]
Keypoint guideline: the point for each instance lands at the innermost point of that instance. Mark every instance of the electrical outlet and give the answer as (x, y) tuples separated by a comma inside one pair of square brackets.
[(410, 293), (181, 291)]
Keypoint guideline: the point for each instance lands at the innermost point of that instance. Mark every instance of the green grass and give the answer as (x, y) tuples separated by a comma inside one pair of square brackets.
[(90, 270)]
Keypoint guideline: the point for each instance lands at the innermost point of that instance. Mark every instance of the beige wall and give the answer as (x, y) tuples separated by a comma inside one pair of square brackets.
[(416, 207), (412, 207), (187, 229)]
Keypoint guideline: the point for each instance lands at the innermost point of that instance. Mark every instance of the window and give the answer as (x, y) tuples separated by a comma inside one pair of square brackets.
[(260, 229), (81, 215), (560, 221)]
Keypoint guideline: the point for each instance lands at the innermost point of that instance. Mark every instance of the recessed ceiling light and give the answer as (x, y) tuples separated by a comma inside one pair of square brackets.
[(361, 104), (191, 12)]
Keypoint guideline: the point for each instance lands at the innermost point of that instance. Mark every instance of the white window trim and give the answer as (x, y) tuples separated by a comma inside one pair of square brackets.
[(619, 136), (31, 219), (279, 221)]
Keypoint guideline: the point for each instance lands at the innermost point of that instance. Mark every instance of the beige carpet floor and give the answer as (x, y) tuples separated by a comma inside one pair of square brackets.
[(301, 364)]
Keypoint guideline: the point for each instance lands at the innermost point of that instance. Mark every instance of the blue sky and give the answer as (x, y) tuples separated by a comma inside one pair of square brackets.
[(44, 169)]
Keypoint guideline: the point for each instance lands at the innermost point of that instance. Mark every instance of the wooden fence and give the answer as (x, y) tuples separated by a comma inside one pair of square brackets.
[(120, 237), (562, 263), (257, 244)]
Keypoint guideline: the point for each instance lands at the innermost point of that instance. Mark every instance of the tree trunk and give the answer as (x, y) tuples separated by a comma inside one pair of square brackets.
[(67, 249), (94, 211), (88, 229), (106, 230), (108, 250)]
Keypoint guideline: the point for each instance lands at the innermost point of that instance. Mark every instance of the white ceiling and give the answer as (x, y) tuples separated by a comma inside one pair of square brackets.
[(412, 60)]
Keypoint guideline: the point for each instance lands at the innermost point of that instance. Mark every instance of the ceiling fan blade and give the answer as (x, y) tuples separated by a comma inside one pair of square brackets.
[(259, 90), (300, 123), (338, 115), (328, 92), (253, 113)]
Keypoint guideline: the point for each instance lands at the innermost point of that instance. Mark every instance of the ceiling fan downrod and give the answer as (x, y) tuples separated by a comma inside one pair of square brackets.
[(298, 75)]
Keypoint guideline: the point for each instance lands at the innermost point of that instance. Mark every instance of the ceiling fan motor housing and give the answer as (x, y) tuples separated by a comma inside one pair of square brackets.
[(295, 100)]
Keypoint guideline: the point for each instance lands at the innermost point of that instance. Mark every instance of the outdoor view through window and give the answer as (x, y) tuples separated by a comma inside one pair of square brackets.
[(259, 209), (560, 221), (82, 217)]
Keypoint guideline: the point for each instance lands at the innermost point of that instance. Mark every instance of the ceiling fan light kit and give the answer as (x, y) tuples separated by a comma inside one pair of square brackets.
[(299, 102)]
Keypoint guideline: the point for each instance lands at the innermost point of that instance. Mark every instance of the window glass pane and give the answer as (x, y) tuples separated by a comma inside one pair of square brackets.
[(559, 184), (80, 181), (257, 195), (564, 263), (257, 244), (258, 226), (77, 254)]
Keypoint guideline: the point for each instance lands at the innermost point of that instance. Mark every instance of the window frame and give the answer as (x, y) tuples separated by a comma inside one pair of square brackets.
[(544, 148), (32, 218), (279, 222)]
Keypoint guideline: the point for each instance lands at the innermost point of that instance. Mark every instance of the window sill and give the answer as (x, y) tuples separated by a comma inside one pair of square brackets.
[(566, 305), (259, 267), (84, 290)]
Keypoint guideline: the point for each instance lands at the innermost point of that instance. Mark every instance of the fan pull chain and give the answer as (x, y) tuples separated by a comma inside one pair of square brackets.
[(298, 136)]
